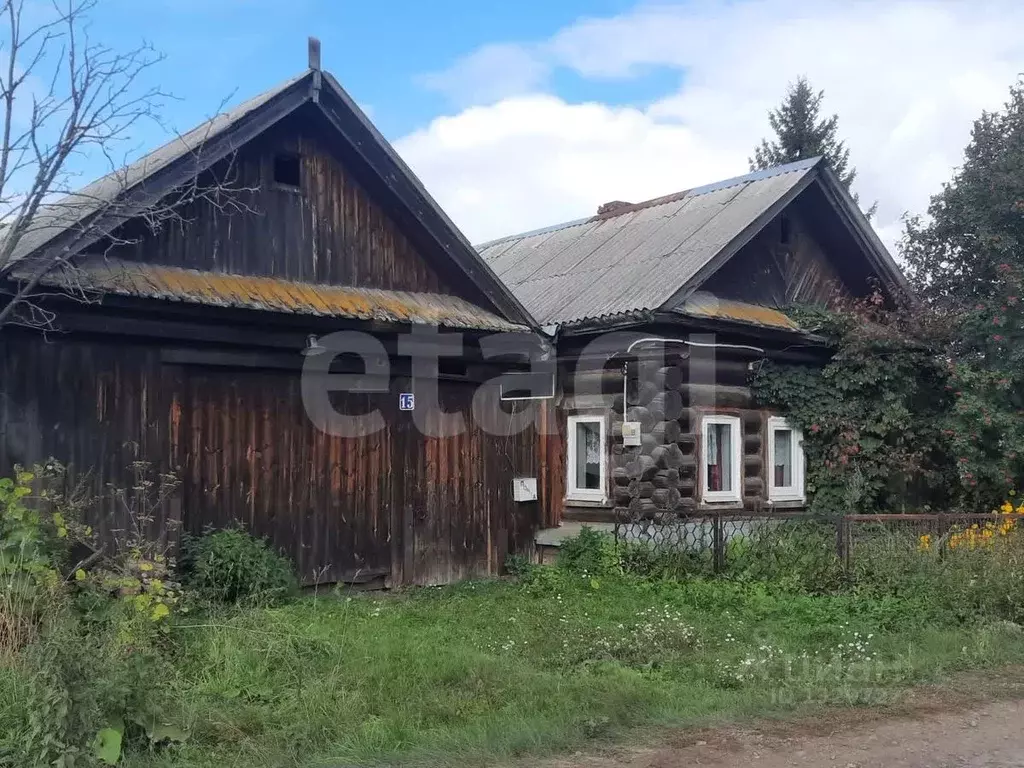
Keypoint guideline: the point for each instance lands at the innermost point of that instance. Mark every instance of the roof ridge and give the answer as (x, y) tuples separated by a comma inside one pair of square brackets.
[(673, 197), (535, 232)]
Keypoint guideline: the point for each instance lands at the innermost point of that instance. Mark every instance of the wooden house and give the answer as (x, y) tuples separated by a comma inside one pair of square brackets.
[(659, 309), (187, 350)]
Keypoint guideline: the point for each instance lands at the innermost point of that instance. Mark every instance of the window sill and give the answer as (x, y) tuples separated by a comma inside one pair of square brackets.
[(592, 501), (721, 507), (722, 501), (787, 501)]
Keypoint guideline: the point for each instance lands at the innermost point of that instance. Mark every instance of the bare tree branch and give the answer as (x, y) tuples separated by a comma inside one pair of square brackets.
[(65, 97)]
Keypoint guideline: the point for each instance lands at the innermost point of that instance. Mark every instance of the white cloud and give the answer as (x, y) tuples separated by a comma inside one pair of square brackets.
[(536, 160), (495, 71), (907, 78)]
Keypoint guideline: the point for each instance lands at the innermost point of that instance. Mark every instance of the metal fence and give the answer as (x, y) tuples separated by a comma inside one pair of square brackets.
[(765, 542)]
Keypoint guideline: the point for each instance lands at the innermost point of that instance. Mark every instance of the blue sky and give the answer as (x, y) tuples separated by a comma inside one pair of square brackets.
[(520, 115), (378, 51)]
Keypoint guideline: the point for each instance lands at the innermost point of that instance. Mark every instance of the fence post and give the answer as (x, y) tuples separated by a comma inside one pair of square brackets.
[(718, 533), (842, 541)]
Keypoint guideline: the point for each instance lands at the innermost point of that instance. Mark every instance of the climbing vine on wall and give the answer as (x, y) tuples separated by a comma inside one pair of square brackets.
[(904, 417)]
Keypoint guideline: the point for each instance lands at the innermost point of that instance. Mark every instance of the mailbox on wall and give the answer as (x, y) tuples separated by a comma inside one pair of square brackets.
[(524, 489)]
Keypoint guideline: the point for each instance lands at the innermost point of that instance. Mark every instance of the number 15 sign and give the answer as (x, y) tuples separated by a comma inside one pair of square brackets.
[(406, 401)]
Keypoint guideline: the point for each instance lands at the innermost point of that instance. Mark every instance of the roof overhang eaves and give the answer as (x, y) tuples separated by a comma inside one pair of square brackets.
[(152, 287), (744, 327), (864, 233)]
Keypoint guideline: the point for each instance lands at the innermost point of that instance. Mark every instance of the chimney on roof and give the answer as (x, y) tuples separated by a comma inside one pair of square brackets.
[(314, 54), (612, 207)]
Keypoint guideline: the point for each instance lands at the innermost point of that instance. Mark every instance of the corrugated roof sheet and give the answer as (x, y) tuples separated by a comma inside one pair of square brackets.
[(152, 281), (635, 257), (707, 305)]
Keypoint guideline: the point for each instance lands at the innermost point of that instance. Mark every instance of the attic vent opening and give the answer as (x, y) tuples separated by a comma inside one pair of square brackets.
[(288, 170), (785, 230)]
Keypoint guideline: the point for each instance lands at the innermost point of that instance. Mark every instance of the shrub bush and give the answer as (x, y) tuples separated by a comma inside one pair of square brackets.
[(88, 624), (799, 555), (597, 554), (95, 686), (590, 553), (231, 565)]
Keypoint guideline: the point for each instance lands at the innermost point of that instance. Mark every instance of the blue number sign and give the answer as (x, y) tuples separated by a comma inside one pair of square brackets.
[(406, 401)]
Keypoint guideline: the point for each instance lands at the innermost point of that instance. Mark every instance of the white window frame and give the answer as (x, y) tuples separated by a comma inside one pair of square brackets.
[(794, 492), (736, 494), (573, 493)]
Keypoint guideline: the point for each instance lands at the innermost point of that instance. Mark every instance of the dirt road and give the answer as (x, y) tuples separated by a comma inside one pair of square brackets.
[(985, 735)]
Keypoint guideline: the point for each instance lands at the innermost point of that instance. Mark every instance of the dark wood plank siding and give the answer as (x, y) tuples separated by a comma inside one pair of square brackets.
[(94, 408), (329, 229), (551, 468), (396, 504), (769, 272)]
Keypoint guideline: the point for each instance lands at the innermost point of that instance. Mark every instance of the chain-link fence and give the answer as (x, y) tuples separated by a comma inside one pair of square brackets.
[(733, 542), (864, 538), (769, 544)]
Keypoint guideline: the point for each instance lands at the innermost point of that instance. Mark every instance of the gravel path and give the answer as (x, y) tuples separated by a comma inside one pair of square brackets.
[(987, 735)]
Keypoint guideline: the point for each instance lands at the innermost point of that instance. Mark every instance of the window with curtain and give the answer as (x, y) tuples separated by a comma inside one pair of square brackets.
[(783, 464), (786, 460), (719, 457), (722, 458), (586, 458)]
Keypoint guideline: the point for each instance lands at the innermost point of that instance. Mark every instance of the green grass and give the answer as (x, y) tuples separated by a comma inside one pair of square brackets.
[(492, 670)]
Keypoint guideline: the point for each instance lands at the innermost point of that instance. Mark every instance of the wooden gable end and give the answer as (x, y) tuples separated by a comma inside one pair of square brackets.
[(783, 264), (805, 255), (297, 208)]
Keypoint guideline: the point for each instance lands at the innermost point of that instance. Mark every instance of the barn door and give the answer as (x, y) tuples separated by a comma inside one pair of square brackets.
[(446, 495)]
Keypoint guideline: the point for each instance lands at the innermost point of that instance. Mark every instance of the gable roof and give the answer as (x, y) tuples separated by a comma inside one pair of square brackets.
[(82, 217), (653, 255)]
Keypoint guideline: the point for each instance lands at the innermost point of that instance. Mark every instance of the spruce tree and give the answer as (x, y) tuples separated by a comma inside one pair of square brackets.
[(801, 133)]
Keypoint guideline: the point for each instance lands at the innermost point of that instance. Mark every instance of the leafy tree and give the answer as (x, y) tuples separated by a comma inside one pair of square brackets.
[(923, 406), (972, 241), (967, 259)]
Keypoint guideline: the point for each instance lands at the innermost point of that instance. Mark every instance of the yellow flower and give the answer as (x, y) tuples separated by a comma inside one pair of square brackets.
[(1007, 507)]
